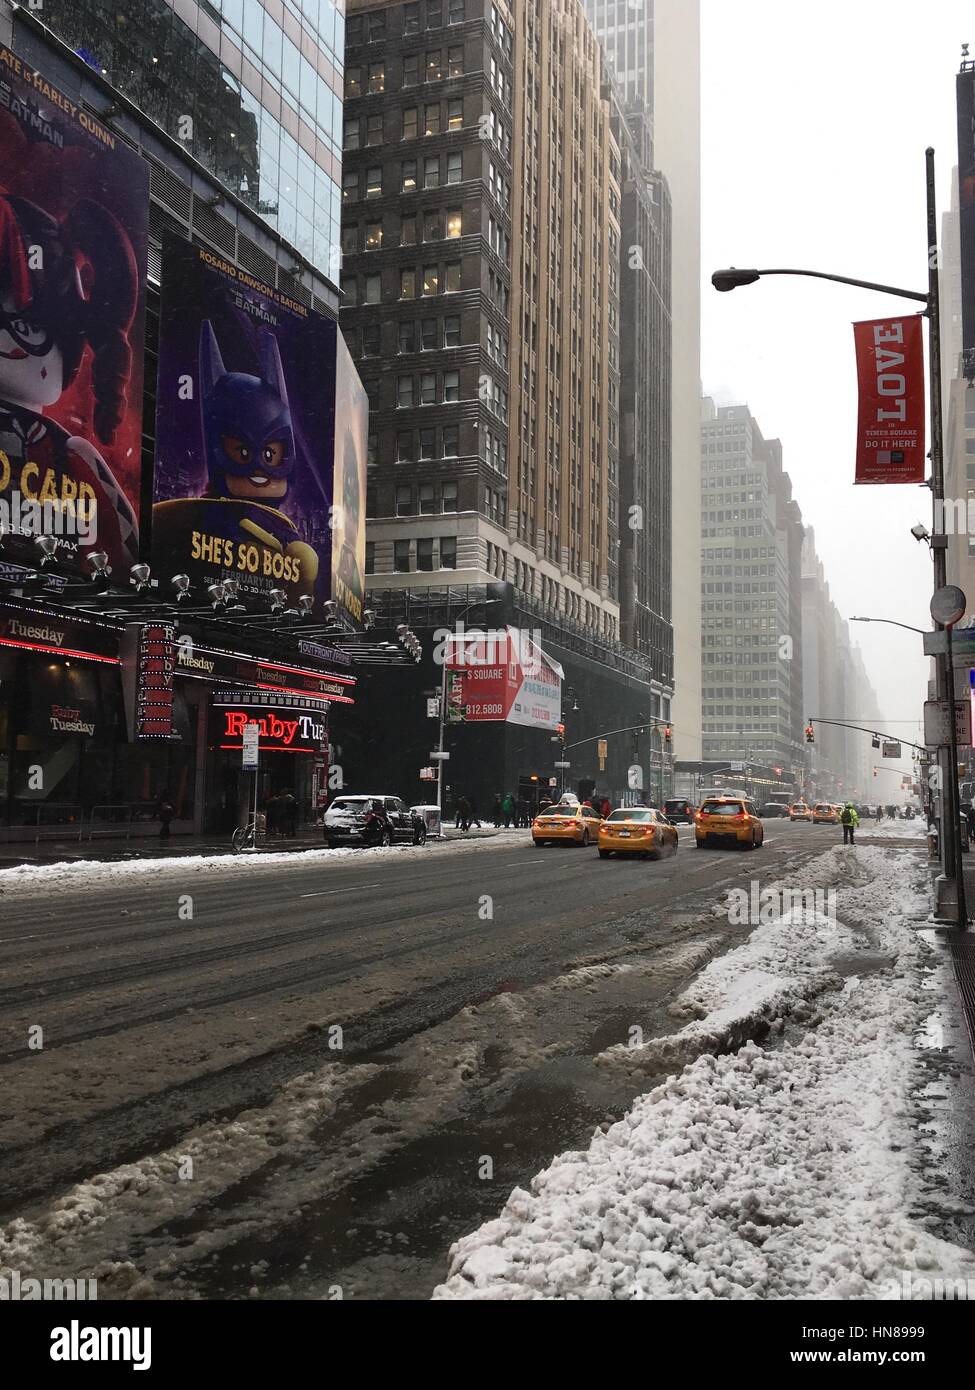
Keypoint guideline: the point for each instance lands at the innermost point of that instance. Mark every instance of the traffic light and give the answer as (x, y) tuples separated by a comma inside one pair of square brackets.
[(810, 734), (777, 771), (668, 731), (560, 730)]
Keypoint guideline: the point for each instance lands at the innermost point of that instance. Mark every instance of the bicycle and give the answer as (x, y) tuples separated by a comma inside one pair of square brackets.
[(247, 836)]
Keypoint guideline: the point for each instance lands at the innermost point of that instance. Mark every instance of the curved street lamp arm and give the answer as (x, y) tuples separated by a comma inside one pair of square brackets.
[(860, 284)]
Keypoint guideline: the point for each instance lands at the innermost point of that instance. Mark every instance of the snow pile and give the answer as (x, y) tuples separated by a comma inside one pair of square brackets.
[(755, 1175)]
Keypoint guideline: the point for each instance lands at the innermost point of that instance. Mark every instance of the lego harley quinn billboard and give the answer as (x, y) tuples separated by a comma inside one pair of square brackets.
[(245, 438), (74, 221)]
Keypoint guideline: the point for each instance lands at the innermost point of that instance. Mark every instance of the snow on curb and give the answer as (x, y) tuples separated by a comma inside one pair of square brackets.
[(752, 1175)]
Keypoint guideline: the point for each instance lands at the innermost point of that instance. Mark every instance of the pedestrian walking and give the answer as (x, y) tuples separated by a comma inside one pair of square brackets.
[(496, 811), (508, 810), (970, 821), (849, 821), (605, 807), (880, 812), (464, 813), (472, 817), (165, 810)]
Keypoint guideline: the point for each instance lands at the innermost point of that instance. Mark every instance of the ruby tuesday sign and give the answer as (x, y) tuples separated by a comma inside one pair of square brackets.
[(285, 725)]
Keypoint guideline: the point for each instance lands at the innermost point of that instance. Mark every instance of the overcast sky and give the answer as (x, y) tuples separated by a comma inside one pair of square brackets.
[(815, 120)]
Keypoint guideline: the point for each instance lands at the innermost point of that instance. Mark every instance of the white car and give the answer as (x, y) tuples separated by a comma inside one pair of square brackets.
[(345, 821)]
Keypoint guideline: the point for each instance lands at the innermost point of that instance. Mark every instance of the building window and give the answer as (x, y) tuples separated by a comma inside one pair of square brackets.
[(353, 82), (448, 498), (401, 557), (377, 77), (452, 277), (374, 236), (428, 439), (428, 334), (406, 337), (404, 392), (350, 240), (409, 122), (404, 446), (371, 340), (455, 113), (431, 172), (450, 437), (431, 125), (349, 288), (411, 70), (424, 554), (374, 129), (434, 14), (426, 499), (434, 66), (407, 231), (407, 283), (404, 501), (431, 279), (428, 388), (455, 62), (350, 134), (372, 449), (451, 386), (448, 552), (370, 557), (408, 184), (431, 226), (350, 185), (374, 182), (411, 19), (455, 11), (455, 167), (455, 223), (451, 331), (377, 26), (353, 30)]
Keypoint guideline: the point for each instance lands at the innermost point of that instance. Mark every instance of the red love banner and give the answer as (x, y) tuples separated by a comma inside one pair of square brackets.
[(890, 374)]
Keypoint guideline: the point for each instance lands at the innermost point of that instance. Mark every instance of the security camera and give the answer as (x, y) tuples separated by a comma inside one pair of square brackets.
[(920, 533)]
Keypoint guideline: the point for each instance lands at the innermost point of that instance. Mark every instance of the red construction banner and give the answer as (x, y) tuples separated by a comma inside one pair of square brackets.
[(890, 372)]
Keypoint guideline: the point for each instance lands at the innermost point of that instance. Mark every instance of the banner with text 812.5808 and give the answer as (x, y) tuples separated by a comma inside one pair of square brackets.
[(890, 375)]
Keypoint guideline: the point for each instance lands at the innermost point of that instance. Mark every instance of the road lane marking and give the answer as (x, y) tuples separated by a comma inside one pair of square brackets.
[(327, 892)]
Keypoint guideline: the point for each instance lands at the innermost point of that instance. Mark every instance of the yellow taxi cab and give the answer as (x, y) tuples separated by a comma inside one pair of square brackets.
[(728, 819), (574, 825), (637, 830), (825, 813), (800, 811)]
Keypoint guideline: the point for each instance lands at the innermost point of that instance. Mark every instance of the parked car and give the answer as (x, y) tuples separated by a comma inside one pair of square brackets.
[(774, 809), (680, 812), (637, 830), (347, 822), (729, 819), (576, 825)]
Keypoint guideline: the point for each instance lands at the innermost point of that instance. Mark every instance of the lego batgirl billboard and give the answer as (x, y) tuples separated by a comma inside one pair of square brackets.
[(74, 218), (245, 434)]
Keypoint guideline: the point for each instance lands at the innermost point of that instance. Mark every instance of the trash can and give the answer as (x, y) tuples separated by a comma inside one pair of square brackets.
[(430, 815)]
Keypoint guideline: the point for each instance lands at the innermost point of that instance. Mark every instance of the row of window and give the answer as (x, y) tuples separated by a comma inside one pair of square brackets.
[(433, 280), (425, 553), (371, 28), (434, 225), (433, 172), (433, 66), (427, 388), (426, 498), (435, 118), (413, 446), (425, 335)]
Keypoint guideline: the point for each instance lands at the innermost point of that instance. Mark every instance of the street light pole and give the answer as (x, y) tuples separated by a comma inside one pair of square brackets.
[(732, 278)]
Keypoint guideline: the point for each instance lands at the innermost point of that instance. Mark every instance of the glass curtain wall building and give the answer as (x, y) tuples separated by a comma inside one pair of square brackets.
[(251, 88)]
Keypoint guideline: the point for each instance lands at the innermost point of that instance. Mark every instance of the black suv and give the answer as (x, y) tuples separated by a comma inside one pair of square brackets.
[(679, 812)]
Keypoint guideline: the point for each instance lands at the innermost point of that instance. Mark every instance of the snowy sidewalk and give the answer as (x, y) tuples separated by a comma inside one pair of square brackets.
[(791, 1170)]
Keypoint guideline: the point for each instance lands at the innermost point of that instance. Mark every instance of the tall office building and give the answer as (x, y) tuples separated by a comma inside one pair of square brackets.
[(249, 89), (751, 595)]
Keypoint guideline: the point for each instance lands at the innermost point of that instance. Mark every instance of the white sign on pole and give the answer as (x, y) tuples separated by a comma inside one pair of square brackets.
[(433, 707), (937, 731), (250, 746)]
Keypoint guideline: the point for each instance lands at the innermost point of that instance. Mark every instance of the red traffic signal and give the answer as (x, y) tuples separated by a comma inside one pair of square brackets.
[(810, 734), (667, 733)]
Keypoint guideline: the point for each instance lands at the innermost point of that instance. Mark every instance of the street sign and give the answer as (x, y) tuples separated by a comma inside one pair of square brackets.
[(890, 749), (250, 754), (439, 757), (948, 605), (562, 766), (428, 774), (433, 708), (937, 732), (602, 748), (739, 767), (553, 781)]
